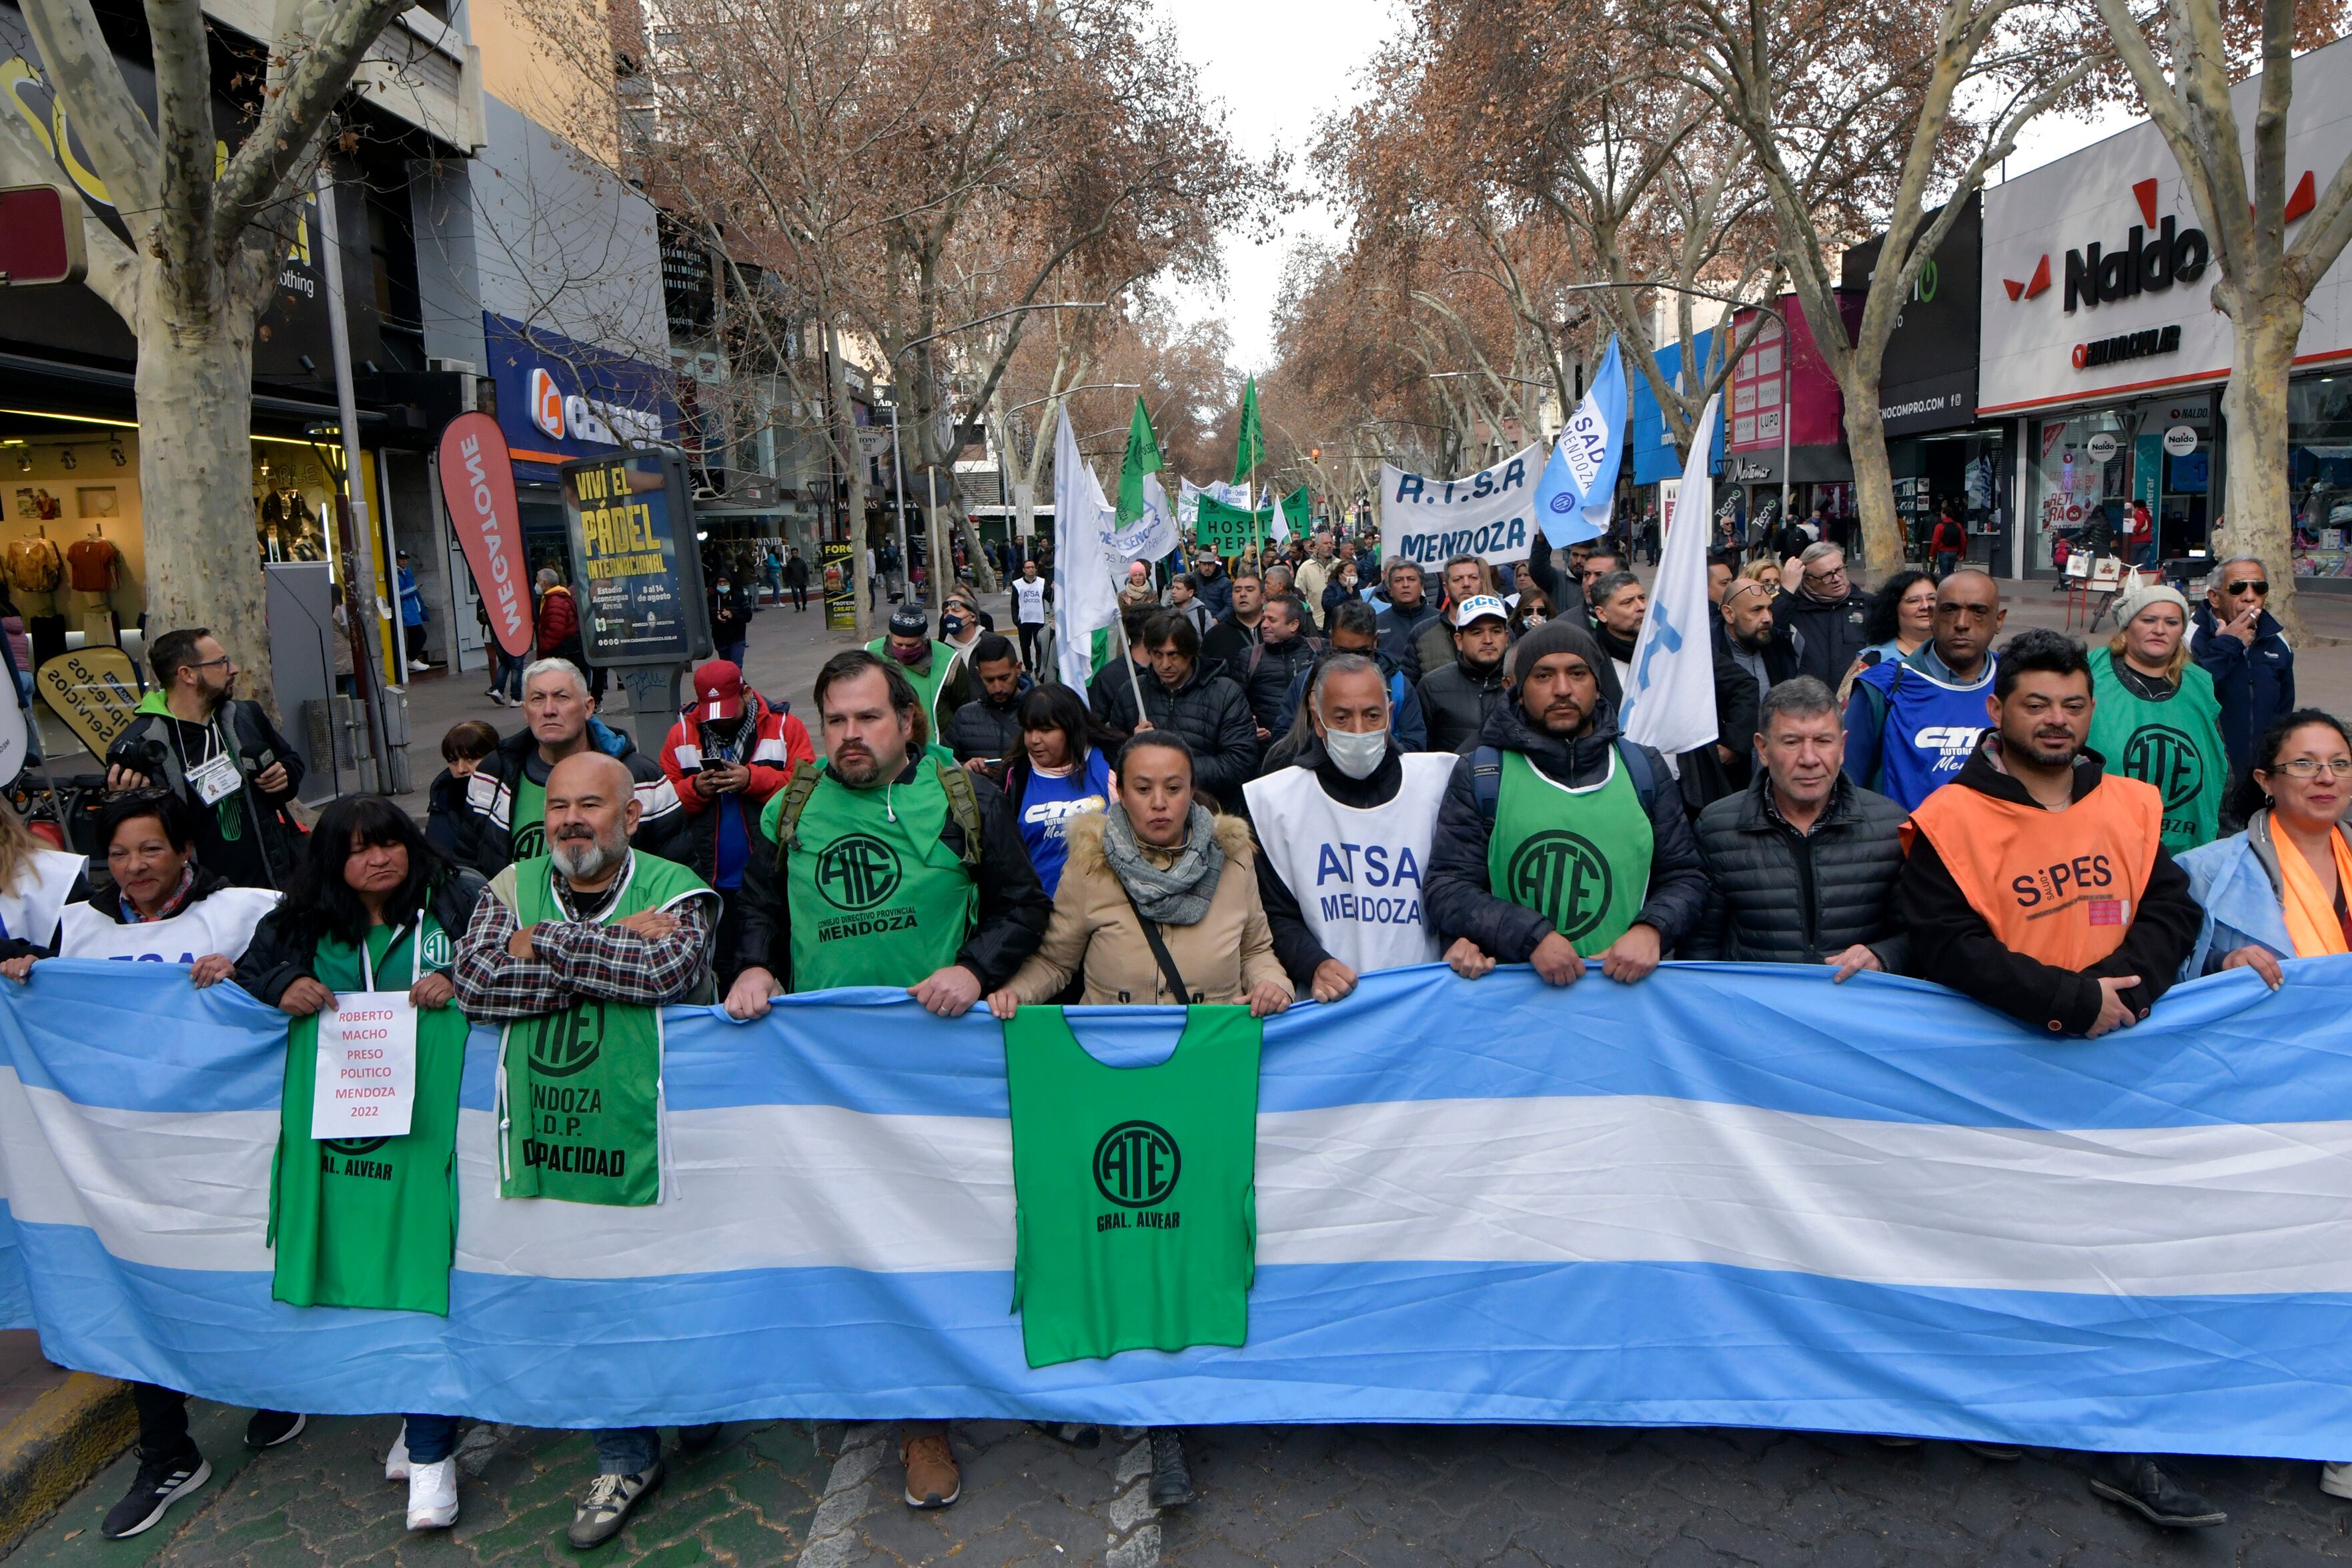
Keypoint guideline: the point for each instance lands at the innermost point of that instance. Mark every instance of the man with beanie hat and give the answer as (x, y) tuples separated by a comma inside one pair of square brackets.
[(930, 667), (2156, 717), (1559, 838)]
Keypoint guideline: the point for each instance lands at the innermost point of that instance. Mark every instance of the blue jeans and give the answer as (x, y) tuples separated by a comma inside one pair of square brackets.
[(733, 654), (506, 672), (627, 1450), (431, 1438)]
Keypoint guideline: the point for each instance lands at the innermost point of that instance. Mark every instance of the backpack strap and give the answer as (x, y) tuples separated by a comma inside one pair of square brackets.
[(1487, 781), (1638, 769), (797, 790), (964, 806)]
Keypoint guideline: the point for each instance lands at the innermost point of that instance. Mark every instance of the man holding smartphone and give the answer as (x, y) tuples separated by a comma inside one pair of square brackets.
[(725, 756), (986, 734)]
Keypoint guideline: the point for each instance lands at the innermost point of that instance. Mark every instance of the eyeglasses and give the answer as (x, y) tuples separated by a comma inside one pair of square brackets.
[(2308, 767), (1830, 576), (2253, 585), (208, 664)]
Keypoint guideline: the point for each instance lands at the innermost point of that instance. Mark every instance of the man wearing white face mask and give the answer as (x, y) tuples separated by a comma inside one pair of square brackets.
[(1344, 835)]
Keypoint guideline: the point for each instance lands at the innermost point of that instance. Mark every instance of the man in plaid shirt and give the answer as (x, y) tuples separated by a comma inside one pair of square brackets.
[(506, 971)]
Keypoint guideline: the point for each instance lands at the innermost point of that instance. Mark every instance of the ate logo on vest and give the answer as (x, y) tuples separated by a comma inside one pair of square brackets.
[(1563, 871), (2163, 757), (355, 1145), (572, 1039), (437, 949), (1136, 1164), (856, 872), (530, 841)]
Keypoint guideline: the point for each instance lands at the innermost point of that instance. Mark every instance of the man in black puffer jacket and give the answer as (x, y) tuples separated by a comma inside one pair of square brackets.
[(1196, 699), (988, 729), (1802, 865), (1826, 612)]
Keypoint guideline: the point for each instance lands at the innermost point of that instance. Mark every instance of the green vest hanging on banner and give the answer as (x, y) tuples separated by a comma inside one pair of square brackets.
[(1580, 858), (580, 1090), (876, 898), (527, 830), (370, 1222), (927, 683), (2174, 745), (1137, 1207)]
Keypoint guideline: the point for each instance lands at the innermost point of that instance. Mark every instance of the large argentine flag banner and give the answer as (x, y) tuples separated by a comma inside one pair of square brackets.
[(1729, 1195)]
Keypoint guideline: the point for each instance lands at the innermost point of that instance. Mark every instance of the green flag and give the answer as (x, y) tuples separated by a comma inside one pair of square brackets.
[(1299, 512), (1228, 529), (1252, 451), (1142, 457)]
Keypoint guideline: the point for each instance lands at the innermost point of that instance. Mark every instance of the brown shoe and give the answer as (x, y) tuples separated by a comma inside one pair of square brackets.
[(932, 1478)]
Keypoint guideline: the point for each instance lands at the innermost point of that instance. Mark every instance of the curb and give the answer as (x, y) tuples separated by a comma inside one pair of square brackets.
[(53, 1449)]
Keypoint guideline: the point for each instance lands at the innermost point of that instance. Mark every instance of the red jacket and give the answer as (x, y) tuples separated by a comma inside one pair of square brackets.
[(558, 620), (779, 740)]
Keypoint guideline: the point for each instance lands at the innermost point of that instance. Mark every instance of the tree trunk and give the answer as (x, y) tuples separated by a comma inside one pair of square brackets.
[(983, 576), (2263, 330), (1883, 544), (195, 387)]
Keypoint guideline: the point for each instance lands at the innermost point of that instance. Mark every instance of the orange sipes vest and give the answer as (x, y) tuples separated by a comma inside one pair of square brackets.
[(2057, 886)]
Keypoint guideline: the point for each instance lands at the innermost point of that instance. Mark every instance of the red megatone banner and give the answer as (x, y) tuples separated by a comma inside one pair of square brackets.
[(478, 484)]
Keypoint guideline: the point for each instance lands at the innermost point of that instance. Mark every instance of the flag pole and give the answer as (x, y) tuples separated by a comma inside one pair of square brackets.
[(1126, 658)]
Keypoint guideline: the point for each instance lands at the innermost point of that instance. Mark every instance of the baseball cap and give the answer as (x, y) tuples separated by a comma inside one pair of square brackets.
[(1477, 606), (718, 691), (909, 622)]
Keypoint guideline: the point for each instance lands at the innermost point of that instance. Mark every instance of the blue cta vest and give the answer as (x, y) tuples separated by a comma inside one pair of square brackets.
[(1931, 729)]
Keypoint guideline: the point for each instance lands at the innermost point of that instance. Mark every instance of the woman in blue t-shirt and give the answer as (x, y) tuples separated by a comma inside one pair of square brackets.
[(1061, 773)]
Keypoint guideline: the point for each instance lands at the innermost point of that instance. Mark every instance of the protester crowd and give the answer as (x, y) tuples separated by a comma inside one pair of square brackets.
[(1342, 771)]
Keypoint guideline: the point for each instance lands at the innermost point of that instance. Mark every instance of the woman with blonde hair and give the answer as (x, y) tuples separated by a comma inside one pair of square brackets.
[(1765, 570), (36, 885)]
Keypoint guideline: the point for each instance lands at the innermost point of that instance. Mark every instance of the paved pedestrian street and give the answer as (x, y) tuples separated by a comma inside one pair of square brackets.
[(826, 1496)]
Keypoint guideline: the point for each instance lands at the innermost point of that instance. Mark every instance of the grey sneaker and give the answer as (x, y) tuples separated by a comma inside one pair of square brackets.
[(608, 1506)]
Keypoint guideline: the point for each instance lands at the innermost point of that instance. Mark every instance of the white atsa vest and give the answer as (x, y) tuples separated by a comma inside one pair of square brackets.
[(222, 923), (1357, 874)]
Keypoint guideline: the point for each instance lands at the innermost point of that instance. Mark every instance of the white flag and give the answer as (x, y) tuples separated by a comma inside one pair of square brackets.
[(1188, 501), (1670, 691), (1151, 536), (1085, 594)]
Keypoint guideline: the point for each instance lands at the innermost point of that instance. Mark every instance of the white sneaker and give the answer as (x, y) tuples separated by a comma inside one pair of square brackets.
[(2336, 1479), (419, 666), (395, 1463), (433, 1495)]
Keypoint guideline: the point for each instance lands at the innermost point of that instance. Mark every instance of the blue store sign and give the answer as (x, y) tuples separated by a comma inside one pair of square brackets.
[(561, 399)]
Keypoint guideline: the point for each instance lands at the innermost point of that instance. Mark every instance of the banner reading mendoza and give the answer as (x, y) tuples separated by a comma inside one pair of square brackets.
[(1489, 514)]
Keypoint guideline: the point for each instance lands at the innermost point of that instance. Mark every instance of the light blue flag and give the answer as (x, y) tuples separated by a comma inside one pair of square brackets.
[(1580, 483)]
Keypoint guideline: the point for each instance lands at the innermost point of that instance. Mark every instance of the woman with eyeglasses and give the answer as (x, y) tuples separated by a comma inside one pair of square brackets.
[(2241, 646), (2278, 889)]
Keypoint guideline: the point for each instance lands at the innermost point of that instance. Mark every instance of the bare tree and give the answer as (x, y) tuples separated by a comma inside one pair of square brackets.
[(208, 239), (1857, 116), (2265, 280)]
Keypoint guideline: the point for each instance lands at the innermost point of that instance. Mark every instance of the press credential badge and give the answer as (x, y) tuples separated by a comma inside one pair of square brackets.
[(366, 1082)]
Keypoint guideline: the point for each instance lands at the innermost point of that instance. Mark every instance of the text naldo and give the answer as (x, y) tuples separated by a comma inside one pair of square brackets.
[(2095, 279)]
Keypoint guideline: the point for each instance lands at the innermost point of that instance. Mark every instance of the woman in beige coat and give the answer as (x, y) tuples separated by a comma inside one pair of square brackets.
[(1155, 853), (1158, 853)]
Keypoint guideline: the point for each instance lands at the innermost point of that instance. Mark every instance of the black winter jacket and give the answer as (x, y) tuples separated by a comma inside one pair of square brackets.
[(986, 727), (157, 744), (1454, 704), (485, 831), (1277, 668), (1954, 945), (1455, 894), (284, 946), (1737, 697), (1401, 633), (1007, 927), (1832, 633), (1776, 897), (1212, 715)]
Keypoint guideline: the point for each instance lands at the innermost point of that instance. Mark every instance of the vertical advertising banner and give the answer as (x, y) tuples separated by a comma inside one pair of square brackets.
[(635, 571), (840, 586), (477, 486)]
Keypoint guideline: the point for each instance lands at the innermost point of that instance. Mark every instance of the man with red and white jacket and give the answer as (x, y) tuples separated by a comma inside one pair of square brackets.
[(725, 755)]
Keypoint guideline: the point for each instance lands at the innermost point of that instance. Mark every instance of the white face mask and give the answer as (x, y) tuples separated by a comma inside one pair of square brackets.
[(1355, 753)]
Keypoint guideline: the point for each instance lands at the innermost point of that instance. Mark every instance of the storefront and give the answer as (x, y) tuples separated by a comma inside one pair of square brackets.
[(1656, 467), (2104, 358), (1783, 408)]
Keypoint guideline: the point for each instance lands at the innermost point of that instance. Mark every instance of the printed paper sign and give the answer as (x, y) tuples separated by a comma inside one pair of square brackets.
[(366, 1082)]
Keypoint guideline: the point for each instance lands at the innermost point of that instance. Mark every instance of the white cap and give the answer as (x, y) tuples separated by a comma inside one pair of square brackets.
[(1477, 606)]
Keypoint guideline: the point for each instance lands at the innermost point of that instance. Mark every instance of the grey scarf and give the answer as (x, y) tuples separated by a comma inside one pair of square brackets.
[(1178, 895)]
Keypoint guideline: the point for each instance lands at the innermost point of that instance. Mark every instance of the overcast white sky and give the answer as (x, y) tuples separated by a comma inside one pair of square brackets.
[(1280, 64)]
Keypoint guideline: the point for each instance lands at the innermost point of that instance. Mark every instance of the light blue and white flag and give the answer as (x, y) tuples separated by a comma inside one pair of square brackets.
[(1733, 1194), (1578, 487), (1669, 690), (1086, 588)]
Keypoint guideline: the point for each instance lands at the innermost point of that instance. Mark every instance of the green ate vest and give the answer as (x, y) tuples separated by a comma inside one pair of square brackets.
[(1580, 858), (875, 899), (1135, 1188), (526, 829), (927, 683), (370, 1222), (580, 1090), (2174, 745)]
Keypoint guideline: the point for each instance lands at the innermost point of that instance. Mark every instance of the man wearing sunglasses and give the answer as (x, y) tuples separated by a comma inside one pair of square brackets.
[(2239, 643)]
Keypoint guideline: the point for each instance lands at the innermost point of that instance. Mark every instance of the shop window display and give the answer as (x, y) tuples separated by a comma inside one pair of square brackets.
[(2080, 479), (2319, 474)]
